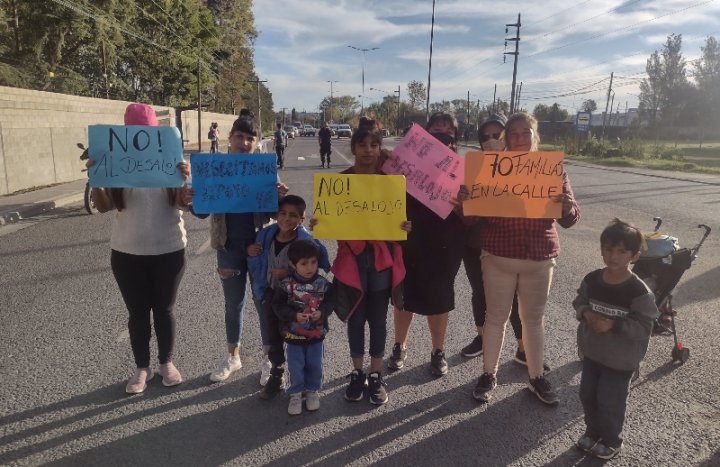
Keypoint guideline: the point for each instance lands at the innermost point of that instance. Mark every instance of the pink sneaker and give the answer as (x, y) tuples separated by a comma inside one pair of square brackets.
[(170, 375), (138, 383)]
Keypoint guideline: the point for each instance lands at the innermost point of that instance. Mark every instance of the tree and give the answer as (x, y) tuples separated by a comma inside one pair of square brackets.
[(417, 95), (344, 108), (665, 89), (589, 106), (707, 76), (551, 113)]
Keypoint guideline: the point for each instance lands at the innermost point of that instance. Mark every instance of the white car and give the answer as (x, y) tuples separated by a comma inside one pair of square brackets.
[(342, 129)]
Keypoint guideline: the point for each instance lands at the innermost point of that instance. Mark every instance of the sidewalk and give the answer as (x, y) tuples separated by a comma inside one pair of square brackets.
[(16, 207)]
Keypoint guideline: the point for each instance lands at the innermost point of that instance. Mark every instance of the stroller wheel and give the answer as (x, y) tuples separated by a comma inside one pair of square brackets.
[(680, 354), (684, 355)]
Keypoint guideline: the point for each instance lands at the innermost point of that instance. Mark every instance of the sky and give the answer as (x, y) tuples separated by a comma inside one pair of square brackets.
[(567, 49)]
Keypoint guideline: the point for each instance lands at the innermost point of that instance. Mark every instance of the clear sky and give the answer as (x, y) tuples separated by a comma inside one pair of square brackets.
[(567, 48)]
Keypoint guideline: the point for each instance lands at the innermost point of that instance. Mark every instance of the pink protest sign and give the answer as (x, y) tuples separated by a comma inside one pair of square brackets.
[(433, 171)]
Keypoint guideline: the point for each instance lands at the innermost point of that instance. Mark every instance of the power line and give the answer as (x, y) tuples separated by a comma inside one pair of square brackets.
[(591, 18), (633, 26)]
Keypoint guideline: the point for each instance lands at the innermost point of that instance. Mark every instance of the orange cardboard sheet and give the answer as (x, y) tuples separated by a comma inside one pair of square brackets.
[(514, 184)]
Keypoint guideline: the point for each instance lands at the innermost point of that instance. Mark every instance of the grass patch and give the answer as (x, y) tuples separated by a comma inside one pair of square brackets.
[(685, 157)]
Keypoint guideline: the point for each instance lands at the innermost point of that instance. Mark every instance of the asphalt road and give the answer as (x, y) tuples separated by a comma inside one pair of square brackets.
[(65, 357)]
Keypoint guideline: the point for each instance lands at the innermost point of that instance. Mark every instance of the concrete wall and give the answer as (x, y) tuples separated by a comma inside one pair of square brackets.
[(39, 131)]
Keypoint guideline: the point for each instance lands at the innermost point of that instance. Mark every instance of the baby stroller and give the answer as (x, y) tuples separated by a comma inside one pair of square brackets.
[(661, 267)]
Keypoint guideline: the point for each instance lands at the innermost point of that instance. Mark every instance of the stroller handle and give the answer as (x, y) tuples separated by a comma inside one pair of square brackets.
[(658, 221), (702, 240)]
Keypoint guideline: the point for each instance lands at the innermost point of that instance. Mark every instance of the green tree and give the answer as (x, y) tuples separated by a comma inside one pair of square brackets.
[(417, 94), (344, 108), (663, 92), (551, 113), (589, 106), (707, 76)]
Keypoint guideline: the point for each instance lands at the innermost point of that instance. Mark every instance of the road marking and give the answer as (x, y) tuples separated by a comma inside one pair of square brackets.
[(301, 158)]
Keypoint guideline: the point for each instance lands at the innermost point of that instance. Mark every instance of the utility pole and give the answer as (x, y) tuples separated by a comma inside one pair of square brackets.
[(468, 111), (432, 33), (517, 99), (607, 103), (257, 84), (105, 75), (199, 108), (494, 109), (283, 117), (516, 39), (331, 98), (397, 125), (16, 26)]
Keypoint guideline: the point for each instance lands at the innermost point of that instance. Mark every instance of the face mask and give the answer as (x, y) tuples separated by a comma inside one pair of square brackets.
[(444, 138)]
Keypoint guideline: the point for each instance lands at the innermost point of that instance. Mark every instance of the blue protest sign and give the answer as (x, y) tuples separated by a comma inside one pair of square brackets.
[(134, 156), (226, 183)]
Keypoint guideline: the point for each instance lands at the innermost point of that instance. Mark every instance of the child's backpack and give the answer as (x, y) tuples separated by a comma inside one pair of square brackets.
[(211, 134)]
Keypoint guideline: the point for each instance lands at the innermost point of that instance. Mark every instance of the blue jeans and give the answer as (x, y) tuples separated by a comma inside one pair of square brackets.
[(372, 309), (305, 365), (604, 393), (234, 292)]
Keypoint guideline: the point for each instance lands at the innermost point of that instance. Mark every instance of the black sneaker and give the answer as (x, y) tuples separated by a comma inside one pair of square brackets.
[(376, 388), (355, 389), (543, 390), (521, 359), (603, 451), (274, 384), (397, 359), (474, 348), (438, 364), (486, 383)]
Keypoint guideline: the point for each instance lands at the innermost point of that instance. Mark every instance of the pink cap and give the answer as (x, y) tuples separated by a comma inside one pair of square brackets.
[(140, 114)]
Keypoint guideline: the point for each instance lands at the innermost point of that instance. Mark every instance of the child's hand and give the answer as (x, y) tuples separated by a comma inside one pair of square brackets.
[(312, 223), (254, 249), (282, 189), (302, 317), (184, 169), (278, 274), (315, 315), (186, 195), (602, 325), (406, 226)]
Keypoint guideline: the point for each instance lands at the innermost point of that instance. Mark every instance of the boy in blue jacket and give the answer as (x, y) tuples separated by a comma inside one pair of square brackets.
[(616, 311), (268, 265)]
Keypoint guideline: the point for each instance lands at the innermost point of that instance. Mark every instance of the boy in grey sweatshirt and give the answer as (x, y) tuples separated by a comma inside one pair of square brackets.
[(616, 311)]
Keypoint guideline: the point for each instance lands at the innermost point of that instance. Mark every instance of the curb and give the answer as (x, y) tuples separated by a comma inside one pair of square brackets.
[(41, 207)]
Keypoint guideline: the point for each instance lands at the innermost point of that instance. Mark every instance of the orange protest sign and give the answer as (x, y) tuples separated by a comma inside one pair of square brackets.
[(513, 184)]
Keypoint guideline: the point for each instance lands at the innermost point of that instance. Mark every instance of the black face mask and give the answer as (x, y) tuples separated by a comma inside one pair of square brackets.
[(444, 138)]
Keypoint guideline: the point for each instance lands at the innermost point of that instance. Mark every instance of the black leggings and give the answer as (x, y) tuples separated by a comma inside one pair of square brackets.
[(149, 282), (473, 269)]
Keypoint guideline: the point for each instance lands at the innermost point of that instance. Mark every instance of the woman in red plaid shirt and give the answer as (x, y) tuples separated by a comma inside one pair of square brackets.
[(519, 253)]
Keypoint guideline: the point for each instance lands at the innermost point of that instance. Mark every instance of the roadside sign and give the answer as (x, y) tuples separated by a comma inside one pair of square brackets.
[(582, 122)]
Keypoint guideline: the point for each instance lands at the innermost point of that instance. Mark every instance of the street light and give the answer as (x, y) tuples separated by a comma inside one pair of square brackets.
[(389, 94), (362, 101), (331, 97)]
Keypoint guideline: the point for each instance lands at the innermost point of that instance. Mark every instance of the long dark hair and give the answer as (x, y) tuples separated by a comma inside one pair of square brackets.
[(246, 123)]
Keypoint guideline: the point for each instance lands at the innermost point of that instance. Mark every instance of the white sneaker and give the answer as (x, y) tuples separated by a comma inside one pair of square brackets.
[(312, 401), (295, 404), (225, 368), (265, 367)]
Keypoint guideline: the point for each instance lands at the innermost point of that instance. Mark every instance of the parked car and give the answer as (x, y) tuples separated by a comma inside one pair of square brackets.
[(308, 130), (342, 129)]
